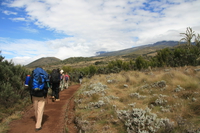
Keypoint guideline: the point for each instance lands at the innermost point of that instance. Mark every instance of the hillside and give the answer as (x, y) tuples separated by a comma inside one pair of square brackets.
[(103, 56), (141, 49), (153, 101), (45, 61)]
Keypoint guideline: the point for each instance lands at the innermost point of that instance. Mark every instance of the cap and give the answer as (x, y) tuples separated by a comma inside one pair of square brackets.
[(61, 71)]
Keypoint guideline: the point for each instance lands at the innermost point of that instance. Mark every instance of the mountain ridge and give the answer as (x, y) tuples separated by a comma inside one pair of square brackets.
[(140, 50), (160, 45), (43, 61)]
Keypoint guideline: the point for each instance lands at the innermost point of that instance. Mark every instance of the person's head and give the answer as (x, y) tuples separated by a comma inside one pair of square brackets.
[(61, 71)]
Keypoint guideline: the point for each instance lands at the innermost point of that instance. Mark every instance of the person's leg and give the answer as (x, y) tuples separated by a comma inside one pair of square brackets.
[(38, 104), (41, 104), (62, 85), (80, 81), (57, 92), (53, 96), (67, 85), (35, 106), (53, 90)]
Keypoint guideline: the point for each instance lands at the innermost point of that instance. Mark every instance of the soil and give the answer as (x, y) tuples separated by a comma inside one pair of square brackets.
[(58, 116)]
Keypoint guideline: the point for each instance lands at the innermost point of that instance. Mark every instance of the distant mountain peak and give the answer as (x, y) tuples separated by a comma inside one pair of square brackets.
[(43, 62), (157, 46)]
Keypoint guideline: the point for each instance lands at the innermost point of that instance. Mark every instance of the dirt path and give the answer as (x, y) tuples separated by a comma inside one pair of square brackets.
[(53, 118)]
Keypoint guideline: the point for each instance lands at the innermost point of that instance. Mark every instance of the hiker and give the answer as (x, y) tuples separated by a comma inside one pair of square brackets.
[(66, 80), (38, 85), (55, 83), (80, 78), (62, 80)]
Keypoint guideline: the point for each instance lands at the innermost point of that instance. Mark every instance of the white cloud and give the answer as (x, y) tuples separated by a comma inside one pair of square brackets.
[(17, 19), (28, 50), (21, 60), (9, 12), (29, 29), (104, 25)]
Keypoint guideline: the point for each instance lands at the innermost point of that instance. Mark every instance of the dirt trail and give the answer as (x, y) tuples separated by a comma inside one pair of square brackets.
[(53, 118)]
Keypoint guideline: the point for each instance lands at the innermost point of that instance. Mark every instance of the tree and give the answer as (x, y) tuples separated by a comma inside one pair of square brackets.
[(164, 57), (140, 63), (126, 66), (197, 40), (188, 36), (92, 69), (1, 57), (67, 69), (12, 90)]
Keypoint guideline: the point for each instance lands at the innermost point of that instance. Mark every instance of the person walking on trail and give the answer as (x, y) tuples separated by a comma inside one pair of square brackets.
[(81, 78), (67, 79), (38, 85), (55, 83), (62, 80)]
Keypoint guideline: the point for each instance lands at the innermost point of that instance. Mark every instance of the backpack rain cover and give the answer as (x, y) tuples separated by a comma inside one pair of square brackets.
[(39, 78)]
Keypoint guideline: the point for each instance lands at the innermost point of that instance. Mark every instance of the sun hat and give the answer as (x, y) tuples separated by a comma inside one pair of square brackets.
[(61, 71)]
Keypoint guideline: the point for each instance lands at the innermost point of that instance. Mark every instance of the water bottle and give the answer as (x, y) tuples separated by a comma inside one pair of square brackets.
[(27, 80)]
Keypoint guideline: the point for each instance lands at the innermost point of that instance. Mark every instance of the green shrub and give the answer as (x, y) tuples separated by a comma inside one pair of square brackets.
[(12, 90)]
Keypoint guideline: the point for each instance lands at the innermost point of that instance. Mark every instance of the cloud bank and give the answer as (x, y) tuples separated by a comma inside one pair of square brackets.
[(90, 26)]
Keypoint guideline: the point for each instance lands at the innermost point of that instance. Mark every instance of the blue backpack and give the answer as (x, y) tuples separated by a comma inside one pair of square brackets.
[(39, 79)]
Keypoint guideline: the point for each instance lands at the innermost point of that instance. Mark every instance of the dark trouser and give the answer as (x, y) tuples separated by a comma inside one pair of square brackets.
[(55, 90)]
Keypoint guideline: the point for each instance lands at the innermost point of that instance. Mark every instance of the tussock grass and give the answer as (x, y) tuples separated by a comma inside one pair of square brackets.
[(195, 107), (178, 100)]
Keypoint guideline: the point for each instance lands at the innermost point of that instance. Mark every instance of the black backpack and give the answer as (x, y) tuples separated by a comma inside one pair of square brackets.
[(55, 76)]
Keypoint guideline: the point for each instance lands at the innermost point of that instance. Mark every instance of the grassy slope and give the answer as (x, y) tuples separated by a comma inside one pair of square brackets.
[(178, 104), (43, 62)]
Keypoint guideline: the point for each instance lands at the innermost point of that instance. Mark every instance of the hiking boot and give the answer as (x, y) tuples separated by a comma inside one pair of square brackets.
[(53, 99), (37, 129), (57, 99)]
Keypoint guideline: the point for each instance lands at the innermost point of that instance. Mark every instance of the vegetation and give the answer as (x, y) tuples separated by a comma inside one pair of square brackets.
[(188, 36), (43, 62), (178, 56), (13, 95), (73, 60), (118, 101)]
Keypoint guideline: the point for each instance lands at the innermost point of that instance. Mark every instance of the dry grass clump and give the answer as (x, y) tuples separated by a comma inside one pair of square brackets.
[(172, 95), (195, 107)]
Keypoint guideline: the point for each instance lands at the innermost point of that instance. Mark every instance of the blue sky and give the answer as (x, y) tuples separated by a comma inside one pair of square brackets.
[(31, 29)]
